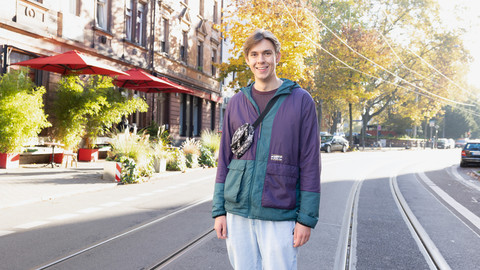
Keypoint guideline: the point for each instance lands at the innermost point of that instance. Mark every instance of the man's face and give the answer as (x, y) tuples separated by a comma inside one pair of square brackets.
[(262, 60)]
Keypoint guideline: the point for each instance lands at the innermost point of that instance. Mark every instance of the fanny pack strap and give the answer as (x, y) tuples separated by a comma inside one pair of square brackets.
[(264, 113)]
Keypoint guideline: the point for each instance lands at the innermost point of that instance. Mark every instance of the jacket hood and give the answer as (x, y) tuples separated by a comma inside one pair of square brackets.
[(286, 88)]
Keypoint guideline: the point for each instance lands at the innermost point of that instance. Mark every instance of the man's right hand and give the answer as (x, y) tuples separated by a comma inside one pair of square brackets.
[(221, 227)]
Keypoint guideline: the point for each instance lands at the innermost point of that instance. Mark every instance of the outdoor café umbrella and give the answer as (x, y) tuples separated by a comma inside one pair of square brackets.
[(140, 80), (71, 62)]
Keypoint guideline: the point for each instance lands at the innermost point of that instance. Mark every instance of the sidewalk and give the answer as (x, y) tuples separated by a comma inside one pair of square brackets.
[(34, 183)]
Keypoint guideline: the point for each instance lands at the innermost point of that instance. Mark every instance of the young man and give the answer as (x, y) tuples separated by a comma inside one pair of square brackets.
[(266, 202)]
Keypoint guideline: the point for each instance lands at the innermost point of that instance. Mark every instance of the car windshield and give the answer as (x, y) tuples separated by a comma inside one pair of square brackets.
[(326, 138), (472, 146)]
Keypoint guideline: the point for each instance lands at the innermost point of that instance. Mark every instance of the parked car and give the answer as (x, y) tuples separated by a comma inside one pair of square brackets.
[(470, 153), (451, 142), (334, 143), (444, 143), (460, 143)]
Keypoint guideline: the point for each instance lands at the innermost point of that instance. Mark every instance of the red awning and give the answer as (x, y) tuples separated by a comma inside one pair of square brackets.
[(140, 80), (71, 62)]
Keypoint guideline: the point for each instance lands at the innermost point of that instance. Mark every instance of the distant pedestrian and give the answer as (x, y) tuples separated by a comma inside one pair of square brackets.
[(267, 189)]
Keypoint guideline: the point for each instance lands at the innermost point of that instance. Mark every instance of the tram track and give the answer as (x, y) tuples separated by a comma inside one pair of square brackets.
[(168, 259), (347, 258)]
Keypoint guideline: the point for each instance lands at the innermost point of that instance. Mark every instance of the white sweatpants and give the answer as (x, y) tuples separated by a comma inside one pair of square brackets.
[(254, 244)]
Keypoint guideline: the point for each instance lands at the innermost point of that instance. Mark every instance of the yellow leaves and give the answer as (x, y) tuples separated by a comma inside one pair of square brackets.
[(291, 22)]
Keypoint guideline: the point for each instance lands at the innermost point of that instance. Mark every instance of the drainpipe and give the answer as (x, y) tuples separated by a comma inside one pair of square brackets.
[(152, 36)]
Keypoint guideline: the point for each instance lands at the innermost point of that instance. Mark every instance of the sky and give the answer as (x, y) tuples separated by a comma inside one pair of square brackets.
[(465, 13)]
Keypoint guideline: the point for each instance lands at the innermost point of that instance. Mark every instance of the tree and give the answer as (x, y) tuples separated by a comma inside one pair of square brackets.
[(292, 24), (405, 83)]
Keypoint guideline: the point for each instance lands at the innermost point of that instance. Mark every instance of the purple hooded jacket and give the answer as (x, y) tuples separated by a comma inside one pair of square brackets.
[(278, 178)]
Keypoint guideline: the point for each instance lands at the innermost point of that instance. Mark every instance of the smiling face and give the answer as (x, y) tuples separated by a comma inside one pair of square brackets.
[(262, 60)]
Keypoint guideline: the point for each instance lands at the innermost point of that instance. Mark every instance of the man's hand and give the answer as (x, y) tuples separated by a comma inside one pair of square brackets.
[(221, 227), (301, 234)]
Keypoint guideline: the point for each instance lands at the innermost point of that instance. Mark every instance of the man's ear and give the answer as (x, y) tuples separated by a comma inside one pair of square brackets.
[(277, 58), (246, 60)]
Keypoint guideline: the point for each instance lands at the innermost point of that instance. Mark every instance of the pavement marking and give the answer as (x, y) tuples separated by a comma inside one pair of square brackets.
[(3, 233), (129, 199), (63, 217), (110, 204), (146, 194), (451, 201), (32, 224), (89, 210), (159, 190)]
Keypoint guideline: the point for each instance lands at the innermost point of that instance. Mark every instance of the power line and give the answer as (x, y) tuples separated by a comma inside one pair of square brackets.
[(372, 76), (428, 64)]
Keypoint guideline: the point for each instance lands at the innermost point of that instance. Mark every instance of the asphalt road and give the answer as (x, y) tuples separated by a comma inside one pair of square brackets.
[(379, 210)]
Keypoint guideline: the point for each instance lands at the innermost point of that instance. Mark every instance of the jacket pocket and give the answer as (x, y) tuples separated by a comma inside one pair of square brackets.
[(233, 182), (280, 187)]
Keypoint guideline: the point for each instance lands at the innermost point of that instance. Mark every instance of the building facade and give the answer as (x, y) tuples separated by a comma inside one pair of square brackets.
[(176, 39)]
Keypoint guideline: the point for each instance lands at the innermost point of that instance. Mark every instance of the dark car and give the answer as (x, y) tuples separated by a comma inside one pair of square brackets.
[(444, 143), (470, 154), (334, 143)]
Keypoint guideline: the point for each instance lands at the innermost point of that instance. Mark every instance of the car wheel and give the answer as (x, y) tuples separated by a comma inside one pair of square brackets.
[(344, 149), (328, 149), (463, 164)]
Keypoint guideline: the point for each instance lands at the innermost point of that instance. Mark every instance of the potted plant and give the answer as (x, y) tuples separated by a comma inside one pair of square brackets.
[(23, 117), (160, 144), (110, 106), (86, 109)]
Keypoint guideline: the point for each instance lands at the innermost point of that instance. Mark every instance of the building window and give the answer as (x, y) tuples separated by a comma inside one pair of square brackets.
[(213, 115), (129, 19), (183, 114), (200, 56), (184, 47), (102, 14), (190, 115), (215, 13), (197, 116), (140, 24), (74, 7), (201, 4), (214, 60), (166, 31)]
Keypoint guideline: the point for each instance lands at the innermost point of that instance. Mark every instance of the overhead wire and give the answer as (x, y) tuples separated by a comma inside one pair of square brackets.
[(427, 63), (367, 74), (381, 67)]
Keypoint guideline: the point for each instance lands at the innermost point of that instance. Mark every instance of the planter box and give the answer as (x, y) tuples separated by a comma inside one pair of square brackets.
[(9, 161), (112, 171), (160, 165), (90, 155), (58, 158)]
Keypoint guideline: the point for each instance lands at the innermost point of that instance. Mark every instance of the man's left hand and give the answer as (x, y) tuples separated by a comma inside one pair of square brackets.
[(301, 234)]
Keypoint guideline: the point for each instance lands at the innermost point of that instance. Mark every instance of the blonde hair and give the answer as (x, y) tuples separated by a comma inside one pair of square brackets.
[(257, 36)]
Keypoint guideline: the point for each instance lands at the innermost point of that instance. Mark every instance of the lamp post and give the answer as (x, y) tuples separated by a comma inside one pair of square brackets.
[(432, 124)]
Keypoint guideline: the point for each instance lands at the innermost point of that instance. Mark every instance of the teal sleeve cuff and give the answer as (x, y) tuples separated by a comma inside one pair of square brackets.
[(309, 207), (218, 207)]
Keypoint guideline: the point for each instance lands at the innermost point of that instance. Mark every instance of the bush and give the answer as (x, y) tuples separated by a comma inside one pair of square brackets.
[(191, 149), (177, 161), (207, 159), (136, 147), (211, 140), (21, 110)]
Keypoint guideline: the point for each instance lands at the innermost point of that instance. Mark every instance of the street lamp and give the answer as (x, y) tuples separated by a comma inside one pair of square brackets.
[(432, 124)]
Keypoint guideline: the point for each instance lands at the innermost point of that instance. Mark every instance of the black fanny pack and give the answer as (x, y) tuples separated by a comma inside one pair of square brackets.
[(243, 137)]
